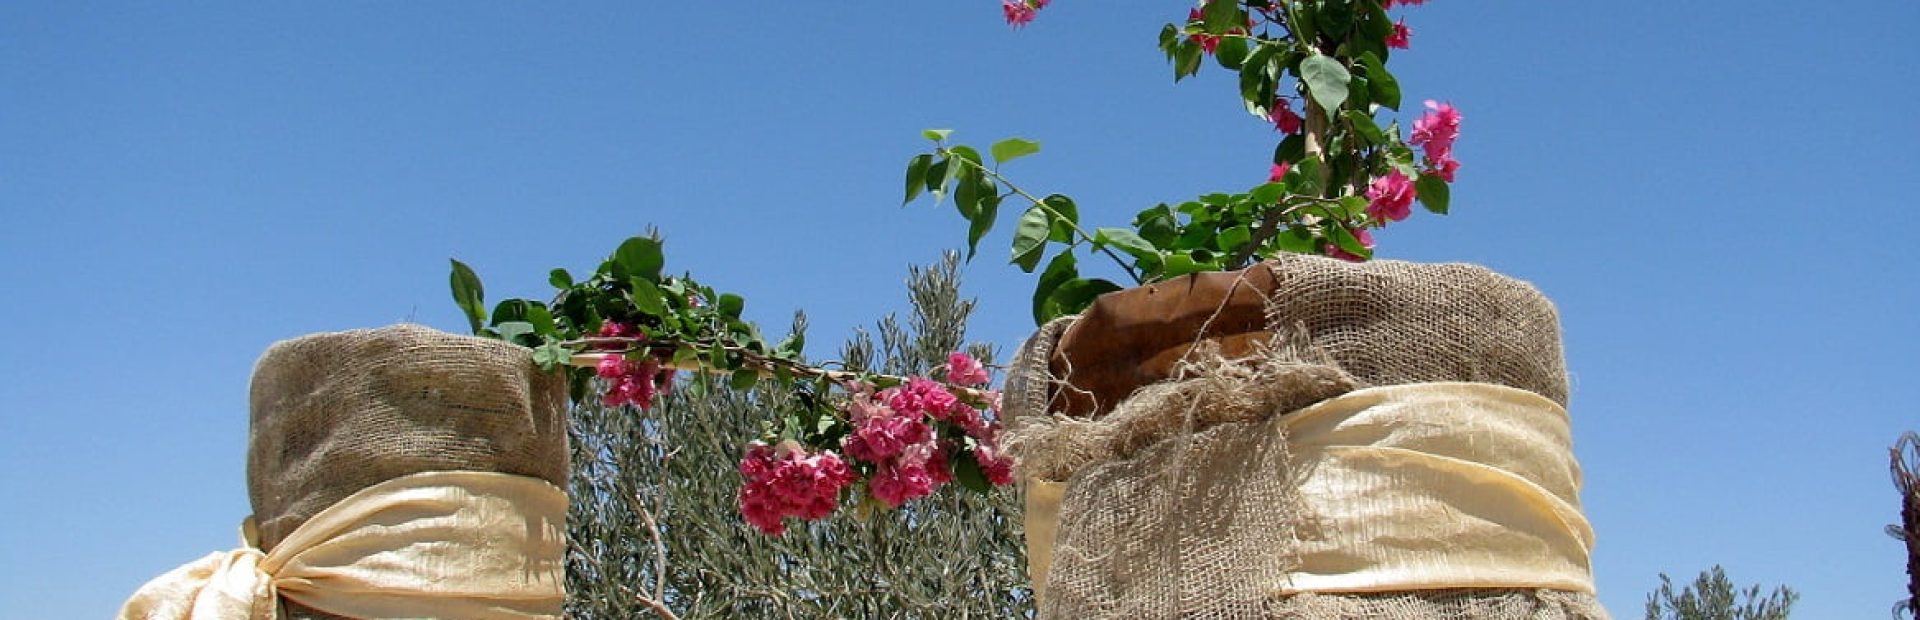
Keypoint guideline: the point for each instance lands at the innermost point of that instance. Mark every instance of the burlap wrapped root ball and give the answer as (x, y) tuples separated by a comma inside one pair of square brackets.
[(335, 413), (1156, 413)]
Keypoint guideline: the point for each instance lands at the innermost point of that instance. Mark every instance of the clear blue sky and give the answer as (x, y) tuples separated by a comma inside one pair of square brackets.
[(1717, 194)]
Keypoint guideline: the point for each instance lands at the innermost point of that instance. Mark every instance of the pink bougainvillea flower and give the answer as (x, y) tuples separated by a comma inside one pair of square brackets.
[(1400, 36), (1018, 12), (1390, 3), (963, 370), (1366, 240), (1278, 172), (880, 438), (1444, 168), (862, 406), (920, 396), (786, 481), (1390, 198), (996, 465), (631, 382), (1283, 117), (613, 329), (1436, 130), (897, 484)]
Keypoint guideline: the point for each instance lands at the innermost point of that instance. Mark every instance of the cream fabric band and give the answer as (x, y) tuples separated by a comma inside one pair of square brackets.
[(480, 545), (1416, 487)]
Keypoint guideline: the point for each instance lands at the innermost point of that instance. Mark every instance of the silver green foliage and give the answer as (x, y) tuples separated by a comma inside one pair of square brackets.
[(1712, 596), (957, 554)]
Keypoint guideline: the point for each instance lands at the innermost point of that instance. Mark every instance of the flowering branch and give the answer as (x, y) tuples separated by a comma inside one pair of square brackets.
[(632, 327)]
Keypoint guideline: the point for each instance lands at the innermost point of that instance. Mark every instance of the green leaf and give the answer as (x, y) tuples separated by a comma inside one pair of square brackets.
[(1292, 148), (967, 472), (731, 305), (1385, 89), (1353, 207), (791, 346), (1338, 233), (967, 153), (1363, 125), (1059, 271), (1231, 239), (1126, 240), (1073, 296), (1180, 264), (551, 355), (1336, 18), (1231, 52), (1295, 239), (1326, 81), (541, 318), (1268, 193), (1169, 37), (559, 278), (640, 257), (1068, 216), (468, 294), (1186, 59), (983, 217), (917, 176), (510, 330), (936, 135), (647, 297), (1013, 148), (966, 193), (936, 178), (1305, 21), (1157, 225), (1030, 238), (743, 380), (1433, 192), (1221, 15)]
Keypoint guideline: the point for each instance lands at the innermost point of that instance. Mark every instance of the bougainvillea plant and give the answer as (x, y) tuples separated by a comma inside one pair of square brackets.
[(1315, 71), (884, 439), (624, 332)]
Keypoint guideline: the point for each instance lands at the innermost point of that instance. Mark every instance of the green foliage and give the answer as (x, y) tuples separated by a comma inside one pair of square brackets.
[(1330, 55), (1214, 232), (654, 512), (1712, 596)]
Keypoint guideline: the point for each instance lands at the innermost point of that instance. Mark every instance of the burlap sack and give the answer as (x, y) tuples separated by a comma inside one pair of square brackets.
[(1384, 322), (1158, 410), (335, 413)]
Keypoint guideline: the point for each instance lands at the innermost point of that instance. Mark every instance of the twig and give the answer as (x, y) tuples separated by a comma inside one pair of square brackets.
[(761, 364), (1055, 216)]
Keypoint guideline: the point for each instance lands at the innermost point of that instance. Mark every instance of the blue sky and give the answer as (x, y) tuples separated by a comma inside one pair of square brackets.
[(1716, 194)]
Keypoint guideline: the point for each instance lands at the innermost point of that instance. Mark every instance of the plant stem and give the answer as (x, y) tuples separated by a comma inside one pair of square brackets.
[(761, 364), (1055, 216), (1270, 226)]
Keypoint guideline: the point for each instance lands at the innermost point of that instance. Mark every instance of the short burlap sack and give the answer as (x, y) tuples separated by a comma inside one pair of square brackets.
[(335, 413), (1158, 417)]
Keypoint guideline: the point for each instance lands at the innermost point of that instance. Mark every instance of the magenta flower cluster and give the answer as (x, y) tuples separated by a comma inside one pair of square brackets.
[(1021, 12), (630, 381), (903, 442), (1434, 133), (788, 481)]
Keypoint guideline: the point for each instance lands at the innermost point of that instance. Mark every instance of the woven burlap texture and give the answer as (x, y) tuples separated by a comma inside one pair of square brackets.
[(335, 413), (1181, 501)]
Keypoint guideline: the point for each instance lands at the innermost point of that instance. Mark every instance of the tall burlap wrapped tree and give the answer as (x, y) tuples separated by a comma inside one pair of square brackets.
[(655, 530)]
